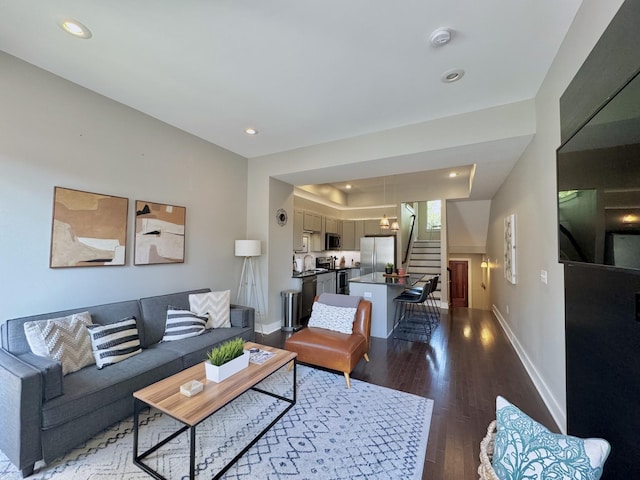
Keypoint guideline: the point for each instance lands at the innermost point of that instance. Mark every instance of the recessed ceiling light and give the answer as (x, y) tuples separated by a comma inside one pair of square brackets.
[(348, 186), (75, 28), (250, 131), (451, 76), (453, 175)]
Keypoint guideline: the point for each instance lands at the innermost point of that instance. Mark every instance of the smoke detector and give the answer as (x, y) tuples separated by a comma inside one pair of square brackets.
[(440, 37)]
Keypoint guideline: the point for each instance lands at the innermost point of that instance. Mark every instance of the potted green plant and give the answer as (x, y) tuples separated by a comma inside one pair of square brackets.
[(388, 269), (226, 359)]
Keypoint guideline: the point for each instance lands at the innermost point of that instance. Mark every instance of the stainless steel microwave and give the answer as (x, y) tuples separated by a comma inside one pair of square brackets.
[(332, 241)]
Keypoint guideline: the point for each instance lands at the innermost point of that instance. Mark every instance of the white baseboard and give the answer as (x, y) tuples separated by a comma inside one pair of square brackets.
[(267, 328), (557, 412)]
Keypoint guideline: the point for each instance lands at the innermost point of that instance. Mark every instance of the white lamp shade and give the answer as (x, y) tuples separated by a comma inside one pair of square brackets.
[(248, 248)]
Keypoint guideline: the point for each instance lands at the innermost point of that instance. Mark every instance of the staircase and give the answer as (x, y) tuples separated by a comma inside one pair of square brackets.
[(425, 260)]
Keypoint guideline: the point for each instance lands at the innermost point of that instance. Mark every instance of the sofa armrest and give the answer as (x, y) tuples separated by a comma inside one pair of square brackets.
[(242, 316), (362, 322), (51, 372), (21, 400)]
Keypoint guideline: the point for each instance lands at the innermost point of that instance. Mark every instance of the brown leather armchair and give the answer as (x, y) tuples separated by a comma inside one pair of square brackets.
[(335, 350)]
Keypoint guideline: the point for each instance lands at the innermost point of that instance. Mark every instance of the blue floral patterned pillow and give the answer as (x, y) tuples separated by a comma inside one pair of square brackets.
[(525, 450)]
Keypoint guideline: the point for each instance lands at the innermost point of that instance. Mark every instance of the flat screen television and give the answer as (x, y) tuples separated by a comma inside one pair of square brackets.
[(598, 175)]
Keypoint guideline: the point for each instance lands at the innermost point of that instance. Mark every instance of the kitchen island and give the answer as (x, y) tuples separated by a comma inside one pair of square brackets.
[(380, 290)]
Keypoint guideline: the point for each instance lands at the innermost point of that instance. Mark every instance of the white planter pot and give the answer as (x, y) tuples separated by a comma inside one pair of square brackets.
[(218, 374)]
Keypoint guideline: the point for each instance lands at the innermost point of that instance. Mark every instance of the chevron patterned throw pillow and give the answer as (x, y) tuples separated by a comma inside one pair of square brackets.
[(65, 340), (214, 304)]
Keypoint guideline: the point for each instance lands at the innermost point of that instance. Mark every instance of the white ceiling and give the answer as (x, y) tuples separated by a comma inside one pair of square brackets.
[(302, 72)]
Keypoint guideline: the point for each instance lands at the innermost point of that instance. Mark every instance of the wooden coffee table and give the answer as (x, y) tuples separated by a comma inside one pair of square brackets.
[(165, 396)]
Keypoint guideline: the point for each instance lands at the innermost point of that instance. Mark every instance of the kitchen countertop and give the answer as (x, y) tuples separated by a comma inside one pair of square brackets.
[(310, 273), (378, 278), (318, 271)]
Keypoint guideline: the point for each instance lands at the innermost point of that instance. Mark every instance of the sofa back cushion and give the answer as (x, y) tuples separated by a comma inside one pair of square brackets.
[(154, 314), (15, 341)]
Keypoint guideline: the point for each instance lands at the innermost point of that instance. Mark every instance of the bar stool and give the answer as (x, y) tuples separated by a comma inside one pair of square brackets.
[(431, 300), (412, 312)]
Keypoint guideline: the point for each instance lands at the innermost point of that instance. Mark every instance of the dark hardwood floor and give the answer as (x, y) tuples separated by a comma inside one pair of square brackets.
[(468, 361)]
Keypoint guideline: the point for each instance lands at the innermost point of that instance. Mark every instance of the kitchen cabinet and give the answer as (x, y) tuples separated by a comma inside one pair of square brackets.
[(298, 231), (331, 225), (326, 283), (316, 242), (312, 222), (349, 235), (359, 233), (372, 227)]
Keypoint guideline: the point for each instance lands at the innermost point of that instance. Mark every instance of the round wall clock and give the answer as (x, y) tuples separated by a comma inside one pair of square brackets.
[(281, 217)]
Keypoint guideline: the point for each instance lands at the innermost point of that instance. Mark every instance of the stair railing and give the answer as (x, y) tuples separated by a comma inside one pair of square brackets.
[(406, 252)]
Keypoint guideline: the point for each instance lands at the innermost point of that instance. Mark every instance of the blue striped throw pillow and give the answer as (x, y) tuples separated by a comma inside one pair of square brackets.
[(114, 342), (183, 324)]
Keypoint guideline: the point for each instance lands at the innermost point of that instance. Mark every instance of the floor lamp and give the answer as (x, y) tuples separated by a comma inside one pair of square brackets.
[(248, 280)]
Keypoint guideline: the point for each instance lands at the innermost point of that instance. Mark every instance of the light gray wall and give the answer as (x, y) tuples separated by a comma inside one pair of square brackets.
[(467, 225), (55, 133), (532, 312), (422, 145)]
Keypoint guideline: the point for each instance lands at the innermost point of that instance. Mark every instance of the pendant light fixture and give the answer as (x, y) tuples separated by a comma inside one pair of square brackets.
[(384, 221), (395, 226)]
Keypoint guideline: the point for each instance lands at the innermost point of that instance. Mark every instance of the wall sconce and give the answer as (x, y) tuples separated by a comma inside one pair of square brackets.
[(484, 263)]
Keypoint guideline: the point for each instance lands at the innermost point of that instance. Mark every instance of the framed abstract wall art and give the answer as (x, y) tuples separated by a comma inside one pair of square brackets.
[(159, 233), (88, 229), (510, 248)]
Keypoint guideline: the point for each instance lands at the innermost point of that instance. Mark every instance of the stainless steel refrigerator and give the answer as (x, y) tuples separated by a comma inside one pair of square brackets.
[(375, 252)]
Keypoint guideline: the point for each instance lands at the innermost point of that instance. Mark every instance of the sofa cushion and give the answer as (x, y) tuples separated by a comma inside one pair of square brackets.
[(154, 311), (214, 304), (194, 350), (88, 390), (524, 448), (15, 341), (338, 319), (327, 348), (114, 342), (63, 339), (182, 324)]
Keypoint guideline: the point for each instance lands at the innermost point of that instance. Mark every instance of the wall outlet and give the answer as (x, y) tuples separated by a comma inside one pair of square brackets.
[(367, 294), (543, 276)]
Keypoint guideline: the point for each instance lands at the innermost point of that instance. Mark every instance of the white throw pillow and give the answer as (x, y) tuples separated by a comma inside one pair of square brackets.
[(525, 449), (183, 324), (114, 342), (339, 319), (214, 304), (63, 339)]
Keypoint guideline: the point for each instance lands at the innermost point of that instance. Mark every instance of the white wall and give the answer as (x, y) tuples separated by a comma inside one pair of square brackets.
[(532, 313), (55, 133)]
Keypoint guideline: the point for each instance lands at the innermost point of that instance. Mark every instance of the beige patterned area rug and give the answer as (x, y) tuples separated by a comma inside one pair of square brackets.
[(365, 432)]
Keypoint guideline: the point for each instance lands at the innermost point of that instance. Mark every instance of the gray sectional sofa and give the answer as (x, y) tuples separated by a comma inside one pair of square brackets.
[(46, 414)]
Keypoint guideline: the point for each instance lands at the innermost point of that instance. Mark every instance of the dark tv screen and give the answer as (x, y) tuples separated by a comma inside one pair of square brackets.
[(598, 174)]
